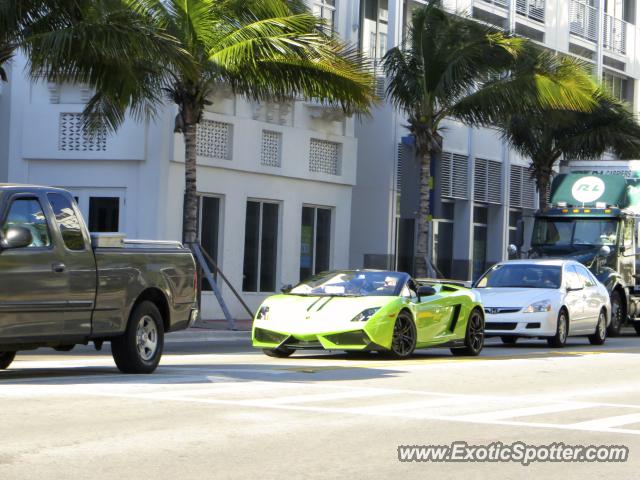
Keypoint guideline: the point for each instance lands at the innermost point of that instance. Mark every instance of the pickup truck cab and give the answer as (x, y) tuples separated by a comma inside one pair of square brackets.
[(59, 286)]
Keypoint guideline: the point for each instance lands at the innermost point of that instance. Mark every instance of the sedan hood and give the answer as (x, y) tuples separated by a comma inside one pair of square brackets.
[(513, 297)]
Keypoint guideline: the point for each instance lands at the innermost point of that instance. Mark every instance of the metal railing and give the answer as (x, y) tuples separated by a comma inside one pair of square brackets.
[(614, 35), (533, 9), (583, 20), (498, 3)]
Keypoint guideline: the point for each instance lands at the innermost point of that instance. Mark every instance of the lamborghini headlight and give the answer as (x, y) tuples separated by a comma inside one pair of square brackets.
[(365, 315), (263, 313), (542, 306)]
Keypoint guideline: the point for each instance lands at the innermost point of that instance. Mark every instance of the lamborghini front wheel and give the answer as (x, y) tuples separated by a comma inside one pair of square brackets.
[(403, 342)]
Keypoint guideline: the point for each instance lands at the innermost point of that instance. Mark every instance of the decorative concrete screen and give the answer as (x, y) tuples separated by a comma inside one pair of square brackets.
[(324, 157), (271, 152), (74, 137), (214, 139)]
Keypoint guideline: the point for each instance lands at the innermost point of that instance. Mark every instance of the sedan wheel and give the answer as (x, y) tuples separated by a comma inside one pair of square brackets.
[(562, 330), (600, 334), (404, 338), (474, 338)]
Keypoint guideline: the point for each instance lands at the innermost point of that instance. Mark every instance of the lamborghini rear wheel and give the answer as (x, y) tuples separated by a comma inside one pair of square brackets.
[(474, 338), (404, 338), (282, 352)]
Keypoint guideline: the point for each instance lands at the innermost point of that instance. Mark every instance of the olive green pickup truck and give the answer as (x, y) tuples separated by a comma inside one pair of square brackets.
[(61, 286)]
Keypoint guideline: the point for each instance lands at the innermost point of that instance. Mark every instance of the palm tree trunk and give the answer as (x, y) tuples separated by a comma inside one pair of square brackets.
[(190, 219), (424, 216), (542, 182)]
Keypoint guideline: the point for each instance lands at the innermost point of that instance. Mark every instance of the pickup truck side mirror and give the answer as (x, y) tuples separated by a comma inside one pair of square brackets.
[(425, 291), (17, 237)]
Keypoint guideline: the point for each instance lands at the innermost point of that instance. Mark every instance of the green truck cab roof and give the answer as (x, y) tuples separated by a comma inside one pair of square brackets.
[(605, 194)]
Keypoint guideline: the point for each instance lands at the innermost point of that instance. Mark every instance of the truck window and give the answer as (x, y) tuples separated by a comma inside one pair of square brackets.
[(628, 232), (67, 221), (27, 213)]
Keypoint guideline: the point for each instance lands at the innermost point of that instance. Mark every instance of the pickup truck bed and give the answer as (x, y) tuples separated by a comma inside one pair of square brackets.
[(59, 286)]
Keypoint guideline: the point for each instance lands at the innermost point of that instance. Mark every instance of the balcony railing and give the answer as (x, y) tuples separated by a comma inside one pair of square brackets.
[(583, 20), (498, 3), (533, 9), (614, 36)]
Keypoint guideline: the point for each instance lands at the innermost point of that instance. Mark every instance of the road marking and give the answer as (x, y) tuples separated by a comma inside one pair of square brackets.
[(608, 422), (526, 411)]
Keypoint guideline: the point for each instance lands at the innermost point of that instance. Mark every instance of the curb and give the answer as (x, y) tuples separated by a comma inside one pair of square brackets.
[(205, 335)]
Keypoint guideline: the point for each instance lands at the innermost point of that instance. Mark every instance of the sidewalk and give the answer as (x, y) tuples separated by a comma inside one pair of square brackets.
[(212, 331)]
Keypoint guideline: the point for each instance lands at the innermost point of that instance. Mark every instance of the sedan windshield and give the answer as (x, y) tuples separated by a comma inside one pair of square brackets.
[(352, 284), (572, 231), (522, 276)]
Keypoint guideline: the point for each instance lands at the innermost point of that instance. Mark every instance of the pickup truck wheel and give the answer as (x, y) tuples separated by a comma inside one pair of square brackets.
[(140, 348), (6, 358)]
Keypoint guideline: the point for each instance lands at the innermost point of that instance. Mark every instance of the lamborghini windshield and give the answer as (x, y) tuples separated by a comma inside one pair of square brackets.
[(352, 284)]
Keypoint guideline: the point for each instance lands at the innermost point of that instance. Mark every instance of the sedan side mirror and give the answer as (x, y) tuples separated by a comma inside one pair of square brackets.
[(426, 291), (17, 237)]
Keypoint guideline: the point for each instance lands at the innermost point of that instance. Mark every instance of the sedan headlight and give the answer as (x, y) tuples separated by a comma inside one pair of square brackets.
[(542, 306), (263, 313), (365, 315)]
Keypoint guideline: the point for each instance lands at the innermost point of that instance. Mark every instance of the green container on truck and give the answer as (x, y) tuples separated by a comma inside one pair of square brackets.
[(594, 219)]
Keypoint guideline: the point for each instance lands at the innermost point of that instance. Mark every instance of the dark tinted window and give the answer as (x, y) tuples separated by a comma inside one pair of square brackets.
[(104, 213), (67, 221), (27, 213)]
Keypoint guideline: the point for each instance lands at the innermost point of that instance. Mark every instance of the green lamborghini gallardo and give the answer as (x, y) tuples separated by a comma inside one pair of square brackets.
[(370, 310)]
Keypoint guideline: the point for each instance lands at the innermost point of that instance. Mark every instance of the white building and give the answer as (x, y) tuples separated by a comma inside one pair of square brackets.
[(484, 187), (275, 179)]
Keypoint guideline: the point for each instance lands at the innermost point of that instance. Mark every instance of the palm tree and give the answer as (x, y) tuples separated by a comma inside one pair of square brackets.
[(549, 135), (139, 54), (453, 66)]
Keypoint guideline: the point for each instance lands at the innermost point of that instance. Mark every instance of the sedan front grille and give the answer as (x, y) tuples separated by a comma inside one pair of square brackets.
[(498, 310)]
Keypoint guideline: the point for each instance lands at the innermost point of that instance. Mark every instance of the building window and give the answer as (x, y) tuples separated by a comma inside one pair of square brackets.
[(209, 231), (324, 157), (214, 139), (315, 241), (104, 214), (480, 219), (67, 221), (73, 136), (271, 151), (260, 247), (443, 232), (514, 218), (326, 9), (27, 213), (374, 28), (617, 85)]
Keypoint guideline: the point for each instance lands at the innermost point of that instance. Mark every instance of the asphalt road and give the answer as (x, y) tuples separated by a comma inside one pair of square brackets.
[(217, 409)]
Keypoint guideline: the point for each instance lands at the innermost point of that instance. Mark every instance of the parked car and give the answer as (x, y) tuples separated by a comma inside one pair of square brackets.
[(369, 310), (550, 299), (60, 287)]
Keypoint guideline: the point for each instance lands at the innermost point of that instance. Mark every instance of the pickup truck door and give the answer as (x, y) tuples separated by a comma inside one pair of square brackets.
[(77, 262), (32, 290)]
